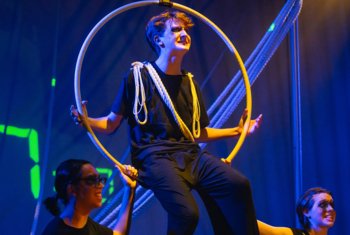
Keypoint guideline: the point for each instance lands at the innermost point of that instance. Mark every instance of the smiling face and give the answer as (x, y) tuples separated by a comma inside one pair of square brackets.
[(175, 38), (322, 214), (88, 190), (158, 24)]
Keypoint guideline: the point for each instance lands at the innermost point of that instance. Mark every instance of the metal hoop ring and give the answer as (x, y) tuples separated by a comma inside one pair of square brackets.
[(188, 10)]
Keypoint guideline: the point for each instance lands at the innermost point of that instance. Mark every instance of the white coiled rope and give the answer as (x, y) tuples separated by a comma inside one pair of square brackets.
[(139, 89), (140, 105)]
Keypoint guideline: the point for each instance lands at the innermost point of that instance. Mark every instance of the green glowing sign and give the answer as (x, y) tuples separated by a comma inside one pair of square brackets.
[(108, 172), (53, 82), (33, 143)]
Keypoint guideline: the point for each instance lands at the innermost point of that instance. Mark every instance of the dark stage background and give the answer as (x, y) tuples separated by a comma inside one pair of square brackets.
[(39, 44)]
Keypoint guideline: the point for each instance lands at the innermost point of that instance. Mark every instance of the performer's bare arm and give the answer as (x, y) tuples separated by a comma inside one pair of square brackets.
[(266, 229), (210, 134), (106, 124), (125, 213)]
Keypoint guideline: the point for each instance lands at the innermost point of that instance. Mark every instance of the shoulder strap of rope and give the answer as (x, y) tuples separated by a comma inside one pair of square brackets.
[(139, 88), (196, 128)]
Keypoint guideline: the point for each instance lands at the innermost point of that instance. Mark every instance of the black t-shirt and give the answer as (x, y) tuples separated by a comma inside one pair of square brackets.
[(161, 133), (58, 227)]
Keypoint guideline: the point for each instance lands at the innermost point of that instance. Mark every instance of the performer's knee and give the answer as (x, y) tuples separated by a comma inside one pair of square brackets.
[(190, 215), (185, 222), (239, 183)]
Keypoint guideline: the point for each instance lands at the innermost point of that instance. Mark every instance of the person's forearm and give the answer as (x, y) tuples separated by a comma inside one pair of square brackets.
[(211, 134), (266, 229), (101, 125), (123, 224), (106, 124)]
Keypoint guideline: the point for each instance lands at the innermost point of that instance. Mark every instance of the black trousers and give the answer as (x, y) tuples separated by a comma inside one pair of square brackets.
[(225, 192)]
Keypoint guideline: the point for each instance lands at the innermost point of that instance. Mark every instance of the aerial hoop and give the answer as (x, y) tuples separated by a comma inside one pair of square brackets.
[(188, 10)]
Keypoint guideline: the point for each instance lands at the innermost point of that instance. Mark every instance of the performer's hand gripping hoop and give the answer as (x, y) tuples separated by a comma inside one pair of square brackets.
[(188, 10)]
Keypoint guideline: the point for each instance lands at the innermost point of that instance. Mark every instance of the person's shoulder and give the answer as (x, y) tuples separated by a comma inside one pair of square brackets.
[(129, 74), (98, 228), (52, 227), (189, 75)]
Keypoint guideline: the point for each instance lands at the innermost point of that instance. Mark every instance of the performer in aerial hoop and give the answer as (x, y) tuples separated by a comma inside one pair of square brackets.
[(167, 119)]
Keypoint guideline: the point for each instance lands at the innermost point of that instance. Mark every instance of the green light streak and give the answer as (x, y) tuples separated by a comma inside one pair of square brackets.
[(34, 145), (53, 82), (18, 132), (33, 142), (272, 27), (35, 179), (108, 172)]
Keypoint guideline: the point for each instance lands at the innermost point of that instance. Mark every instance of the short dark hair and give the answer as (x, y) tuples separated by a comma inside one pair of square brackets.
[(306, 202), (156, 25), (68, 172)]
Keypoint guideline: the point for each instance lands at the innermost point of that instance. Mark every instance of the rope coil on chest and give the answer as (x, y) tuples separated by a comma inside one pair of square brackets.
[(140, 103), (139, 88)]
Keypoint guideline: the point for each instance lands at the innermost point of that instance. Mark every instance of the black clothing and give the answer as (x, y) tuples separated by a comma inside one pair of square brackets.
[(171, 165), (225, 192), (160, 133), (58, 227)]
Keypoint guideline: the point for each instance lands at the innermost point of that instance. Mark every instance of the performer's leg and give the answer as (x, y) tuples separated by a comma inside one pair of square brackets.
[(217, 218), (227, 196), (164, 179)]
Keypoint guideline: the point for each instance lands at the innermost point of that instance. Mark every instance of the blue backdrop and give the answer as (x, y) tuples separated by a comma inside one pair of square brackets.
[(39, 44)]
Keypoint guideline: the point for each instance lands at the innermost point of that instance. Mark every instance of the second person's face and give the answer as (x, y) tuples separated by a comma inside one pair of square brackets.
[(322, 213), (90, 188)]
